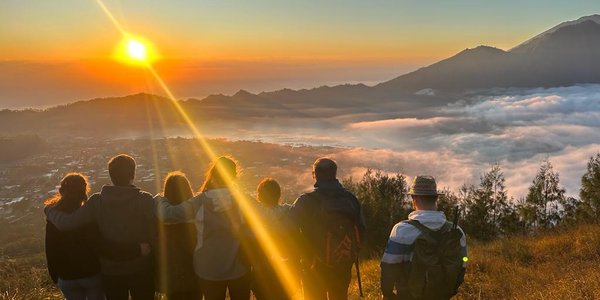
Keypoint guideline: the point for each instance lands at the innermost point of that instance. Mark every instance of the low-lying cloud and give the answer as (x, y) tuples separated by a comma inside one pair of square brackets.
[(518, 129)]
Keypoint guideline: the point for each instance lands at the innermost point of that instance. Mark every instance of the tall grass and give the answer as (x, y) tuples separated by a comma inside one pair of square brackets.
[(562, 264)]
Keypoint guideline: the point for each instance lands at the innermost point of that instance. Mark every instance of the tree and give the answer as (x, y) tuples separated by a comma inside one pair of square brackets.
[(384, 202), (545, 196), (590, 187)]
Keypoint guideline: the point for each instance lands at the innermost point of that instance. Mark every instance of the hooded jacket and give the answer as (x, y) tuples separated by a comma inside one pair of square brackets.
[(124, 214), (218, 255)]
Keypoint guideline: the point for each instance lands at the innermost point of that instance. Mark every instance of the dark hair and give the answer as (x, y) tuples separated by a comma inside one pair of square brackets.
[(427, 199), (121, 169), (269, 191), (72, 193), (220, 174), (325, 168), (177, 188)]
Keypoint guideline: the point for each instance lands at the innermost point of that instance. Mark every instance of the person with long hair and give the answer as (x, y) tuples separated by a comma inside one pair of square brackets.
[(73, 256), (175, 276), (125, 214), (219, 261)]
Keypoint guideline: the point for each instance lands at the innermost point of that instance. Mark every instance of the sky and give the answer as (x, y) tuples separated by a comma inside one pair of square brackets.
[(63, 50), (352, 30)]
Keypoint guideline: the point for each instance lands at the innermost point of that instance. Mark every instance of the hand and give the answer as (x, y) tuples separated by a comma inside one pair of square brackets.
[(145, 249)]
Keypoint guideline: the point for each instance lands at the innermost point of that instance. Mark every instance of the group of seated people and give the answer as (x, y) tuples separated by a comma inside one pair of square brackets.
[(218, 242)]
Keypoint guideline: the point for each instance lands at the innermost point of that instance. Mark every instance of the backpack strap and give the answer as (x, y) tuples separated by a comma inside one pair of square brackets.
[(446, 227)]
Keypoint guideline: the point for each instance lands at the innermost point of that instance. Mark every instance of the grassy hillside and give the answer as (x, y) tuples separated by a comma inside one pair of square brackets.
[(563, 264)]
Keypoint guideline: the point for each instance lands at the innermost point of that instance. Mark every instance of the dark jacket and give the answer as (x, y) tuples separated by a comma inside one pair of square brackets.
[(70, 254), (124, 214), (306, 212), (175, 258), (75, 254)]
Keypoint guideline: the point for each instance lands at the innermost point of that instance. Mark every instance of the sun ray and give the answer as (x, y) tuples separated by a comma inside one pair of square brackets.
[(266, 241)]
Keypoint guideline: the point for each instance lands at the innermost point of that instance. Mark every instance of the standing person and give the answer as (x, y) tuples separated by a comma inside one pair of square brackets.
[(408, 260), (218, 258), (72, 256), (266, 284), (331, 221), (175, 275), (124, 214)]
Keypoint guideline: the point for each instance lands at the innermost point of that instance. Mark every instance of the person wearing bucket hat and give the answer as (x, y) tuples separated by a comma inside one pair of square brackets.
[(402, 262)]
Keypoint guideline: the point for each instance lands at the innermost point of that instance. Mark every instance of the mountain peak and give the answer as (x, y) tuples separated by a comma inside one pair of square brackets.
[(534, 41), (243, 93)]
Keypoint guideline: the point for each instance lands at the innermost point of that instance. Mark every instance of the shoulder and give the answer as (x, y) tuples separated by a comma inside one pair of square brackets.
[(146, 196), (405, 233), (94, 198), (304, 198)]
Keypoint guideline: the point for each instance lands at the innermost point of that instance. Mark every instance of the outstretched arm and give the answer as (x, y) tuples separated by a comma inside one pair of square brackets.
[(77, 219), (181, 213)]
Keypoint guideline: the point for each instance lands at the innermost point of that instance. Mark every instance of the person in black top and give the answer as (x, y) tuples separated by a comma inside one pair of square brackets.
[(175, 276), (72, 256), (332, 224)]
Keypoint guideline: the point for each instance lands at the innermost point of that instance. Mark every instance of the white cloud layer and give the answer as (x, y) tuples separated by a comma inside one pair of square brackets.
[(518, 129)]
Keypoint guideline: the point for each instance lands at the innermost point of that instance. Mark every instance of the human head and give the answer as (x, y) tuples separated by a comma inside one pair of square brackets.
[(269, 192), (220, 174), (423, 191), (324, 169), (72, 193), (121, 169), (177, 188)]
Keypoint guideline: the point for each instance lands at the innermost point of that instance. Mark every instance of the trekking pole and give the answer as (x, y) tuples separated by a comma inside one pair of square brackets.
[(456, 213), (360, 289)]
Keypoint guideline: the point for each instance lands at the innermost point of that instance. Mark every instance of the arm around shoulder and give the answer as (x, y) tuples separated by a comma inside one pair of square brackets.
[(181, 213), (82, 216)]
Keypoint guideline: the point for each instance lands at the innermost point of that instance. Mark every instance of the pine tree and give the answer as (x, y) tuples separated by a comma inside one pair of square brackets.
[(545, 195), (590, 187), (384, 203)]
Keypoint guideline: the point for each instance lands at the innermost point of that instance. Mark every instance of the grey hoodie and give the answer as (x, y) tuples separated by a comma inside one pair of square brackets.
[(218, 220), (124, 214)]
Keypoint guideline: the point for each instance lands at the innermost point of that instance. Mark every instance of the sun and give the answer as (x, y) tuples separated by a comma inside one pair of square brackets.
[(136, 50)]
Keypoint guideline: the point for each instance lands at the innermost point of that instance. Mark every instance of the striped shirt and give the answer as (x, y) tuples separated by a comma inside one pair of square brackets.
[(402, 238)]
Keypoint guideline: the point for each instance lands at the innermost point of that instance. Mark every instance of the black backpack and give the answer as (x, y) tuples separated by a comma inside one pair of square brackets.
[(436, 268), (338, 238)]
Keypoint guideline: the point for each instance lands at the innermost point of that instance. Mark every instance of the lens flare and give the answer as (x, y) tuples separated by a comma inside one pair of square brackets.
[(136, 50)]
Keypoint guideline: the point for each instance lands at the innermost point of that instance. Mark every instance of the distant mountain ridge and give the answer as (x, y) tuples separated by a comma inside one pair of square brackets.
[(564, 55)]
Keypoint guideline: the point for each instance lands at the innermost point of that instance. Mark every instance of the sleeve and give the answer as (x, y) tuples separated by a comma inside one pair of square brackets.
[(181, 213), (298, 210), (395, 264), (150, 215), (65, 221), (51, 254), (111, 250)]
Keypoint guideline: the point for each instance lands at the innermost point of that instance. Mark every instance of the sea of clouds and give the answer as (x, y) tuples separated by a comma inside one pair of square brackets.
[(516, 128)]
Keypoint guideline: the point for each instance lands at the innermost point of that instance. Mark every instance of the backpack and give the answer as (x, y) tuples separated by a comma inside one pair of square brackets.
[(339, 237), (436, 269)]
